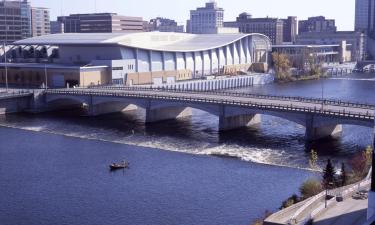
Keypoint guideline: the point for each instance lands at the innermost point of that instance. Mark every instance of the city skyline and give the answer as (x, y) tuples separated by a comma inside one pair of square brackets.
[(302, 9)]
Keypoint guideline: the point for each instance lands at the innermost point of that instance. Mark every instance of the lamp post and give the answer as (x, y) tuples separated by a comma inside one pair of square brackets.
[(325, 202), (6, 67), (45, 76)]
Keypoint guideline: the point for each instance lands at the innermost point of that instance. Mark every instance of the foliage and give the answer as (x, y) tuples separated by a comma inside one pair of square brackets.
[(361, 163), (343, 176), (310, 188), (313, 159), (290, 201), (282, 65), (261, 220), (329, 173), (312, 61)]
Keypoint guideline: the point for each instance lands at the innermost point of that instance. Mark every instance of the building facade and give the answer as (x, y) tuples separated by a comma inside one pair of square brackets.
[(100, 23), (290, 29), (164, 25), (356, 40), (204, 20), (365, 16), (40, 21), (11, 28), (134, 58), (316, 24), (271, 27)]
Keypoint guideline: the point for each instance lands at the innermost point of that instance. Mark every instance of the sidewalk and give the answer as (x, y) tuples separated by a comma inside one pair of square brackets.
[(348, 212)]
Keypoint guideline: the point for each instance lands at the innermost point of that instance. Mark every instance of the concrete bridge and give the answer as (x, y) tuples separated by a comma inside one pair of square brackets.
[(14, 101), (321, 118)]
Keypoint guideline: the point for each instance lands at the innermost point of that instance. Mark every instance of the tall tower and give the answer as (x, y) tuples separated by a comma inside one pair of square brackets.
[(365, 16), (204, 19)]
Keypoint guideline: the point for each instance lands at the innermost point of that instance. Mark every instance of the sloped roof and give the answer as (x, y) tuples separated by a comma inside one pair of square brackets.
[(158, 41)]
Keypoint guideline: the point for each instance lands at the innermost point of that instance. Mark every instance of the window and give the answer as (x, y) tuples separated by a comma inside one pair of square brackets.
[(117, 68)]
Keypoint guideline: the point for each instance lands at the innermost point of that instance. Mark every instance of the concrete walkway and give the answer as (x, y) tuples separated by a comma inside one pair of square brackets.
[(355, 212)]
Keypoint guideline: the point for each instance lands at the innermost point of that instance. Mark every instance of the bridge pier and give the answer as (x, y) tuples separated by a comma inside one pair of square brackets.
[(238, 121), (315, 131), (156, 115)]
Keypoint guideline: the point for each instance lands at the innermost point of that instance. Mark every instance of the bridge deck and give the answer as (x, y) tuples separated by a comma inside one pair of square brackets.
[(324, 107)]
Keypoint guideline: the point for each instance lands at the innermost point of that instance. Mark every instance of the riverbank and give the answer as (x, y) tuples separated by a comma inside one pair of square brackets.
[(160, 188)]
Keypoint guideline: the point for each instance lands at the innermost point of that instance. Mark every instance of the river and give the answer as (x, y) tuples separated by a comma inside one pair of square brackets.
[(53, 166)]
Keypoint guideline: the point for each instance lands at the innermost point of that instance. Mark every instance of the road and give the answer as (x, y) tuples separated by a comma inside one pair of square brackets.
[(348, 212)]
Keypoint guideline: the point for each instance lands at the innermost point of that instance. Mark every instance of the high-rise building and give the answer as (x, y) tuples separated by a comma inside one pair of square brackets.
[(271, 27), (100, 23), (26, 19), (206, 19), (316, 24), (57, 27), (40, 21), (365, 16), (164, 25), (290, 29), (10, 21)]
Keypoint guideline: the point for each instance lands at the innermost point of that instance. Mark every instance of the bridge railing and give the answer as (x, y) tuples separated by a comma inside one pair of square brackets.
[(14, 93), (197, 99), (335, 102)]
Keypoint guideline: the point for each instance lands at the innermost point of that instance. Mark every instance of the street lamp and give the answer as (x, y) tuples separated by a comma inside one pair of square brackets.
[(6, 67), (45, 76)]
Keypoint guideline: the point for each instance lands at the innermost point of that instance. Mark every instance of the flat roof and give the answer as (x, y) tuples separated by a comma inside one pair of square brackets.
[(158, 41), (48, 66)]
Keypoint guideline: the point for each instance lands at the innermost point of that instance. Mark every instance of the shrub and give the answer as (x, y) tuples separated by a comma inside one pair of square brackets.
[(290, 201), (310, 188), (261, 220)]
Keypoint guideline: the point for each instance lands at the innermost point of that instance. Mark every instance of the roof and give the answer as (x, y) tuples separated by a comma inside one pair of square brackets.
[(158, 41), (49, 66)]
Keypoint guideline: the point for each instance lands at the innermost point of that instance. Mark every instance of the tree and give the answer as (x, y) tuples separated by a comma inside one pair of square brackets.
[(310, 188), (329, 174), (313, 159), (343, 176), (281, 64), (367, 154)]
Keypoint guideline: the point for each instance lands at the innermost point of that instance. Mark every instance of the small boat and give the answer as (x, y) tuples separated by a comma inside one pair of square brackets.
[(117, 166)]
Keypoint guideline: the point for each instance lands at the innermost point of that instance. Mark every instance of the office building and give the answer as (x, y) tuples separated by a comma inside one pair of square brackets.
[(290, 29), (365, 16), (316, 24), (40, 21), (271, 27), (356, 40), (57, 27), (13, 26), (100, 23), (132, 58), (206, 19), (164, 25)]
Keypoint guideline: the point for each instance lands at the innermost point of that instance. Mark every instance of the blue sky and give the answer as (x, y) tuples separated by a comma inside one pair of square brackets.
[(341, 10)]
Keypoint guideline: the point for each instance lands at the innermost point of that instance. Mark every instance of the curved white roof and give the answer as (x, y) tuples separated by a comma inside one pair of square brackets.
[(158, 41)]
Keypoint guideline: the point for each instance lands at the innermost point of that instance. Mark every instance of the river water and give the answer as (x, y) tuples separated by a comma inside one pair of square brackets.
[(53, 166)]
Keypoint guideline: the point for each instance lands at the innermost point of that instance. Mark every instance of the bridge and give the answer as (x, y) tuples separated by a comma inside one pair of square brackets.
[(12, 101), (321, 118)]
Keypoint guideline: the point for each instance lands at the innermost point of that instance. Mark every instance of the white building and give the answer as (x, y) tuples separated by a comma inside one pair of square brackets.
[(146, 58)]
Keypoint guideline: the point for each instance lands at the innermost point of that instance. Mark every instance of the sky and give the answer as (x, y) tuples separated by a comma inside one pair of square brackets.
[(341, 10)]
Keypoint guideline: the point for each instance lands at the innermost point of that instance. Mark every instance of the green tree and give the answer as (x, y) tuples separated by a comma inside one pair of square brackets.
[(313, 159), (329, 174), (343, 176)]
